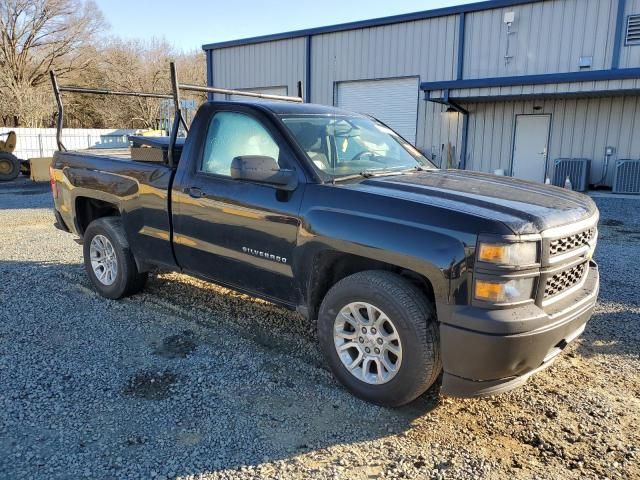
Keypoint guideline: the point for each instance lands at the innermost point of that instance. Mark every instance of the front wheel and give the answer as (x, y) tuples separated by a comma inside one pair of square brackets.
[(379, 335), (108, 260)]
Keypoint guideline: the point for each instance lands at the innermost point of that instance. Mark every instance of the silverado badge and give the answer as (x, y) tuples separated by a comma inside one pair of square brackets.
[(266, 255)]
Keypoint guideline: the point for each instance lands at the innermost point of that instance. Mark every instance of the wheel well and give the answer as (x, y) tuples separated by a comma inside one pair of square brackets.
[(331, 267), (89, 209)]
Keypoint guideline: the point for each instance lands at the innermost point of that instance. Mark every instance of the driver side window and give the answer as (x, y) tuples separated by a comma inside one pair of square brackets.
[(232, 134)]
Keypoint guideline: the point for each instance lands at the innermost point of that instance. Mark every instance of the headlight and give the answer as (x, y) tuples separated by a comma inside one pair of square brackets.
[(515, 254), (505, 291)]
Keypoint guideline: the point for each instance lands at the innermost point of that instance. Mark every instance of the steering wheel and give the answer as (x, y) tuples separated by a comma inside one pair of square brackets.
[(361, 154), (374, 158)]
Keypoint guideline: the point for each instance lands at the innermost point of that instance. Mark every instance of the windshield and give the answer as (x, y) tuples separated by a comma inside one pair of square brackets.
[(344, 145)]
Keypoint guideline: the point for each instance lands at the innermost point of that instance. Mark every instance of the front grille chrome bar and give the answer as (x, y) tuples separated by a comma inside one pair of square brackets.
[(561, 245), (566, 253)]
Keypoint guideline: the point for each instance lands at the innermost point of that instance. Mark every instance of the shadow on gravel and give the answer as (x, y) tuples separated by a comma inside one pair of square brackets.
[(151, 385), (176, 346), (612, 333), (172, 381), (24, 193)]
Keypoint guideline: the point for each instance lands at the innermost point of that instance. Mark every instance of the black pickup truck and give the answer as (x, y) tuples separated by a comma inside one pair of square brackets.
[(410, 271)]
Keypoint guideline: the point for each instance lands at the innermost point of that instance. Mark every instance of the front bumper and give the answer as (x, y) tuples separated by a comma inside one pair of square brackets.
[(513, 344)]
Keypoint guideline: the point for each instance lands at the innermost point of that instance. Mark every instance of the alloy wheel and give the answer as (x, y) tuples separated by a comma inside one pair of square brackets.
[(103, 260), (367, 343)]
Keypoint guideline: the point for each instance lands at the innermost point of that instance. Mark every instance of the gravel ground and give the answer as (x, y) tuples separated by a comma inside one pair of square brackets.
[(191, 380)]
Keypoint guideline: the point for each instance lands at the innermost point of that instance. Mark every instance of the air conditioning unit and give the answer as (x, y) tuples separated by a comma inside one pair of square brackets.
[(577, 169), (626, 177)]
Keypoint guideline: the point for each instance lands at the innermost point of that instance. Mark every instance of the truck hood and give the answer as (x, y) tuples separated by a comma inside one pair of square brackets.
[(524, 207)]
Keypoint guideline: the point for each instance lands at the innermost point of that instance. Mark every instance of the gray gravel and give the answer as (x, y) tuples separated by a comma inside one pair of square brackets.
[(191, 380)]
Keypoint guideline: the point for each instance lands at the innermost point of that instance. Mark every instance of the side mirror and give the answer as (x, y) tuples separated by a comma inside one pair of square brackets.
[(257, 168)]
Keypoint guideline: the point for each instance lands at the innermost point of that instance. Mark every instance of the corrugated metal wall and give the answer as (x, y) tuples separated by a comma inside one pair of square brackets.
[(580, 128), (270, 64), (548, 37), (370, 53), (439, 134), (426, 48), (630, 54)]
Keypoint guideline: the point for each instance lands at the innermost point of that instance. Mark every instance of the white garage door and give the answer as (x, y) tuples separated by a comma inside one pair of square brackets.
[(266, 90), (393, 101)]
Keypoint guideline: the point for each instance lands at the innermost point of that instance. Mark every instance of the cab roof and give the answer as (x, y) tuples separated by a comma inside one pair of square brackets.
[(291, 108)]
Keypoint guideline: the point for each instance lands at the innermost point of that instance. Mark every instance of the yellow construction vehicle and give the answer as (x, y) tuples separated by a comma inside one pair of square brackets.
[(9, 163)]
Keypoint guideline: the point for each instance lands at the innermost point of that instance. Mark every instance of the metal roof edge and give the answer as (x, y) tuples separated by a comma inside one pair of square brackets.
[(567, 77), (375, 22), (535, 96)]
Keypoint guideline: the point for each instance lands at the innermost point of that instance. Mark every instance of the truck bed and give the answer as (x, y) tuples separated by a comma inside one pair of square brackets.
[(139, 190), (143, 149), (114, 153)]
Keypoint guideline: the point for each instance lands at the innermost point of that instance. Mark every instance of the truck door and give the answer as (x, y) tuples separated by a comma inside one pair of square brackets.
[(236, 232)]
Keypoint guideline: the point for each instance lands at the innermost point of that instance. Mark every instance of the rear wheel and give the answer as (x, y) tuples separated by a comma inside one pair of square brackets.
[(108, 260), (9, 166), (379, 335)]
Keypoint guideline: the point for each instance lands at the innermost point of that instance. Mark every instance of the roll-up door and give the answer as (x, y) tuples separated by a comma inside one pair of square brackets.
[(392, 101)]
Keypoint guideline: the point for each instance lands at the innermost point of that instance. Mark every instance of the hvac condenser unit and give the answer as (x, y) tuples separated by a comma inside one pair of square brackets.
[(577, 169), (626, 177)]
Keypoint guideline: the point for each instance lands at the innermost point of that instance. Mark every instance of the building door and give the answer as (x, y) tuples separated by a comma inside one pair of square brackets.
[(530, 147), (392, 101)]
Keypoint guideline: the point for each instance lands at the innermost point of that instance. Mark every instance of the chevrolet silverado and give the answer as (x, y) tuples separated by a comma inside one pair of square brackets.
[(410, 271)]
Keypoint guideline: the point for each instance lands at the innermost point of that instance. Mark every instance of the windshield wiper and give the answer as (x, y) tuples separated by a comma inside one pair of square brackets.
[(379, 172), (347, 177), (376, 172)]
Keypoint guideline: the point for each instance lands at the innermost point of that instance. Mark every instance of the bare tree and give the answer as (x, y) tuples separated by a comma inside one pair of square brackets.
[(135, 65), (35, 36)]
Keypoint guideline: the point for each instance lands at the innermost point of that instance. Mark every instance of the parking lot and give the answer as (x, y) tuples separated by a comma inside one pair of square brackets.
[(191, 380)]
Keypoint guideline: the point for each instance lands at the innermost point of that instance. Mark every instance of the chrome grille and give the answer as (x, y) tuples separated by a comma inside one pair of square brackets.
[(571, 242), (564, 280)]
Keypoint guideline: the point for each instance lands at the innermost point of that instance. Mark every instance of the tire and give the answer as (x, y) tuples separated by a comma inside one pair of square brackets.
[(9, 166), (25, 168), (412, 317), (125, 279)]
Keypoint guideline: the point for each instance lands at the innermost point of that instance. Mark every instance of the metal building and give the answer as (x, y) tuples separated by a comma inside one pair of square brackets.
[(516, 85)]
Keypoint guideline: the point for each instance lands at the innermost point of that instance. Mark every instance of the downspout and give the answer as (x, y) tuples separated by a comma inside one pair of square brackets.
[(463, 140)]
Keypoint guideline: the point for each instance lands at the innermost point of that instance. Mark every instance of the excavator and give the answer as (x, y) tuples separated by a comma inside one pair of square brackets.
[(9, 163)]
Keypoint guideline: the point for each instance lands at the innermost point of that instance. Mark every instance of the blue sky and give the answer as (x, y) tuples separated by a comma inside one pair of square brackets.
[(188, 24)]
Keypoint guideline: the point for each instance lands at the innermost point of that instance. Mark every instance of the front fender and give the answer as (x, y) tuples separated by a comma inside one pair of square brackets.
[(433, 252)]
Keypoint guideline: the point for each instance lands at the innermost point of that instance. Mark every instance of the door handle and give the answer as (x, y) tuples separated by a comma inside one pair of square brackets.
[(194, 192)]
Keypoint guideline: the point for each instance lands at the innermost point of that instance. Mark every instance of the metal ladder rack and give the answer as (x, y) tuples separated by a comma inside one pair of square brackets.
[(176, 86)]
